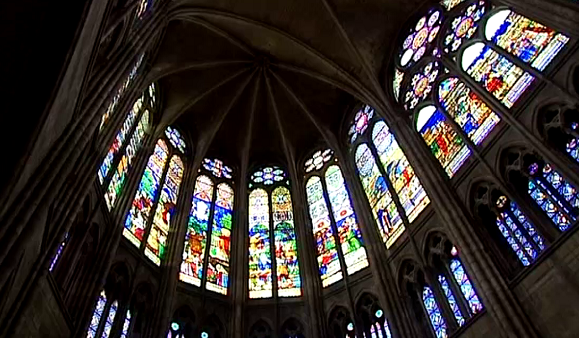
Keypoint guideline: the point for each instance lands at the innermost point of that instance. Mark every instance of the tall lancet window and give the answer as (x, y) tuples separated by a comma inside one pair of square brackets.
[(394, 192), (271, 212), (158, 192), (210, 219), (121, 90), (333, 219), (122, 153)]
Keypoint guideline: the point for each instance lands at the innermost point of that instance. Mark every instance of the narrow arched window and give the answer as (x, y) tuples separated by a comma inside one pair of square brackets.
[(126, 325), (97, 315), (504, 218), (121, 90), (394, 192), (211, 205), (158, 191), (122, 153), (434, 313), (333, 219), (271, 212), (373, 317)]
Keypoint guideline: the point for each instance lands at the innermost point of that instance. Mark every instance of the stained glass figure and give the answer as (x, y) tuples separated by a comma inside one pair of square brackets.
[(385, 211), (139, 214), (526, 39), (554, 194), (420, 85), (468, 291), (446, 145), (268, 175), (119, 178), (361, 122), (260, 274), (110, 320), (126, 325), (196, 237), (217, 168), (521, 235), (346, 221), (317, 161), (119, 140), (286, 250), (157, 240), (220, 248), (573, 145), (450, 4), (499, 76), (464, 26), (451, 300), (410, 192), (467, 109), (116, 100), (397, 82), (175, 138), (434, 314), (420, 38), (96, 315), (58, 253), (326, 250)]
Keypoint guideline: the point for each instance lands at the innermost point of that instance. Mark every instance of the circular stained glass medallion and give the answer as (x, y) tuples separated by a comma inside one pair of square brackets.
[(420, 38)]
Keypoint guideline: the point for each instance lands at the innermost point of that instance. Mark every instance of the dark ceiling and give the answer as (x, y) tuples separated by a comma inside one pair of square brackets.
[(269, 77)]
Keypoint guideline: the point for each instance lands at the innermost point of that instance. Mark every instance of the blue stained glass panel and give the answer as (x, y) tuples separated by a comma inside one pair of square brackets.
[(466, 287), (434, 314), (96, 315), (110, 320), (126, 325), (451, 300), (573, 145)]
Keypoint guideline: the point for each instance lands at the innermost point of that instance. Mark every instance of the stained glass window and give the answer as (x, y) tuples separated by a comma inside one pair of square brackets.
[(118, 180), (196, 237), (410, 192), (126, 325), (521, 235), (468, 291), (286, 251), (468, 110), (434, 314), (110, 320), (96, 315), (346, 221), (385, 211), (58, 252), (157, 240), (317, 161), (119, 140), (451, 300), (463, 26), (268, 176), (138, 215), (420, 85), (361, 121), (175, 138), (446, 145), (326, 250), (260, 274), (398, 78), (573, 145), (528, 40), (217, 168), (116, 100), (220, 248), (420, 38), (499, 76), (450, 4), (554, 194)]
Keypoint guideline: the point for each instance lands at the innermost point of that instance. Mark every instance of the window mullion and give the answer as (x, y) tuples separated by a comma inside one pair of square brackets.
[(272, 244), (443, 303), (103, 318), (334, 226), (525, 233), (457, 292), (156, 202), (554, 194), (209, 232), (391, 190), (512, 234)]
